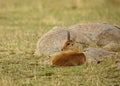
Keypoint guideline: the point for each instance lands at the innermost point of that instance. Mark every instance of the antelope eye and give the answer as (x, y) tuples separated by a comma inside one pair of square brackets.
[(68, 43)]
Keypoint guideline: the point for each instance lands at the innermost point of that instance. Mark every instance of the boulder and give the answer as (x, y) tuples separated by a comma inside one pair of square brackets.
[(84, 34), (93, 54), (107, 36), (112, 46), (51, 42)]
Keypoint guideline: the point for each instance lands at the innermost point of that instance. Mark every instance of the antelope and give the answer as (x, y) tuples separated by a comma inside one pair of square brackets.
[(70, 54)]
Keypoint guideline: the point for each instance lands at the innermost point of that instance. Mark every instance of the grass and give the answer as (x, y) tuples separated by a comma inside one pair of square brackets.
[(23, 22)]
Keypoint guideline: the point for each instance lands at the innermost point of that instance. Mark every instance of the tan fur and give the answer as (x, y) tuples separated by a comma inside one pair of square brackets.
[(69, 59), (70, 55)]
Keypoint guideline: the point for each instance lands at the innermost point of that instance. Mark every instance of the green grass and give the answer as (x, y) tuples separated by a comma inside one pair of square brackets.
[(23, 22)]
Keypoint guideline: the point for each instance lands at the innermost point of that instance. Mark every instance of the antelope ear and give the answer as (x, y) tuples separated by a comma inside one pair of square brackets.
[(68, 35)]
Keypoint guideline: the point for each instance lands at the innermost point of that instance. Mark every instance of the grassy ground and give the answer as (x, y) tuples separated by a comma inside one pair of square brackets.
[(23, 22)]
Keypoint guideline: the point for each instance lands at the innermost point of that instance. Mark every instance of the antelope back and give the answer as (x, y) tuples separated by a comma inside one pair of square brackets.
[(70, 45), (69, 59)]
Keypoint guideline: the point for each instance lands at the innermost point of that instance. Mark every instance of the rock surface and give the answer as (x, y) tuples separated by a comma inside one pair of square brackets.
[(102, 35), (51, 42), (96, 53), (112, 46)]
